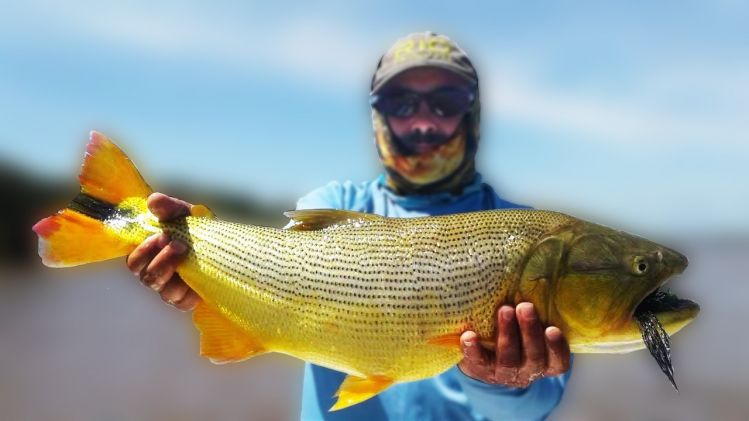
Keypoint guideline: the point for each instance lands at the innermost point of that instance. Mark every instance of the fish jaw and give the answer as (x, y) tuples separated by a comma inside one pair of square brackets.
[(674, 320), (672, 312), (596, 279), (629, 338)]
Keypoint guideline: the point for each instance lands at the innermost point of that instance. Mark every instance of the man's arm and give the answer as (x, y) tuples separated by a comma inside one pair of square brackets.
[(497, 402)]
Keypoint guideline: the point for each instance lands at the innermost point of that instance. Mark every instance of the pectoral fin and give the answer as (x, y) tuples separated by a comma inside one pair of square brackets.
[(449, 340), (220, 340), (354, 390)]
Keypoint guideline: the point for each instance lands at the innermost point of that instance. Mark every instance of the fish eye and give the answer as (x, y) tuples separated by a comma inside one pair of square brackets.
[(640, 265)]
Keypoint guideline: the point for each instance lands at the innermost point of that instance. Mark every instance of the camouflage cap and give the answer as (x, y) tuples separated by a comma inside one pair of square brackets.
[(423, 49)]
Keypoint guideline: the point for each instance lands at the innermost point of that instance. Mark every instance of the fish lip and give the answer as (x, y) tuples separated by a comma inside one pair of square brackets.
[(667, 303)]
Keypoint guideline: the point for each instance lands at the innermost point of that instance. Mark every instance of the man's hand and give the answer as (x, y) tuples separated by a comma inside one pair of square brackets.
[(524, 350), (156, 259)]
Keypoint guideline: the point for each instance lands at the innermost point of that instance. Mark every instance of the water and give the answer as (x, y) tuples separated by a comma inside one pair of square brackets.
[(84, 344), (91, 343)]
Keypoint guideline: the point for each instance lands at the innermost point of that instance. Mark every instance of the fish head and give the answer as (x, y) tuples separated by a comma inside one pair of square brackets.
[(598, 278)]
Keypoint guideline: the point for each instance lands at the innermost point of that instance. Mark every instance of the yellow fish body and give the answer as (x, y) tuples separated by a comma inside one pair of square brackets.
[(384, 300)]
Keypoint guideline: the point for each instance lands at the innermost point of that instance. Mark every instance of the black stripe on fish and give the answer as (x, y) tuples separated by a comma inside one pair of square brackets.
[(92, 207)]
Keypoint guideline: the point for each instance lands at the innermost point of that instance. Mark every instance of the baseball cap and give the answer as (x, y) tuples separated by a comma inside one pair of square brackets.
[(423, 49)]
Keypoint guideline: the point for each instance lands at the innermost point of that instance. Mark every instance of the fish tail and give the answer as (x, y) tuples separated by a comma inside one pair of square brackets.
[(78, 234)]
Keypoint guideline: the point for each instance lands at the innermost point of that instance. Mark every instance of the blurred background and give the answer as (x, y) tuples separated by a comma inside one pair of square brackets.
[(631, 114)]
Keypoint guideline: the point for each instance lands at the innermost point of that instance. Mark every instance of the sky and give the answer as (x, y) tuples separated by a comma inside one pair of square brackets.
[(633, 114)]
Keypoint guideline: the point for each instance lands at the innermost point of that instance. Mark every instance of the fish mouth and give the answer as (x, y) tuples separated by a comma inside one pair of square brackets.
[(659, 315), (665, 305), (673, 312)]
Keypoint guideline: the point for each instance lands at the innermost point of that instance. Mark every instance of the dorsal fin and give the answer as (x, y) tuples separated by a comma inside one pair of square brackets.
[(317, 219)]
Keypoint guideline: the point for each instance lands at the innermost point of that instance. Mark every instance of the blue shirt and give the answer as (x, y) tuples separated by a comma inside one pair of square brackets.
[(451, 395)]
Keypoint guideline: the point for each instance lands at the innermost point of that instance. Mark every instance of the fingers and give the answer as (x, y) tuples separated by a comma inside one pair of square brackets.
[(166, 208), (160, 274), (189, 302), (174, 290), (164, 265), (558, 352), (473, 353), (508, 344), (156, 259), (476, 361), (145, 252), (178, 294), (525, 351), (532, 333)]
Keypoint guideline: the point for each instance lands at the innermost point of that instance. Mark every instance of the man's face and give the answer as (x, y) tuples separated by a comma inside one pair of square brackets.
[(420, 132), (424, 122)]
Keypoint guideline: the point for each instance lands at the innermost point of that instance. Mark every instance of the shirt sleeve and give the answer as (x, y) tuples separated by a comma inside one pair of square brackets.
[(328, 196), (497, 402), (336, 195)]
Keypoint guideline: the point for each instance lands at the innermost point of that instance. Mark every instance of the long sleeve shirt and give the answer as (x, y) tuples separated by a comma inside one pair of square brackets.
[(451, 395)]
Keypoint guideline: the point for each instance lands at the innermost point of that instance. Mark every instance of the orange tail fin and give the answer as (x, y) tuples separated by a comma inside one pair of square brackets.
[(79, 234)]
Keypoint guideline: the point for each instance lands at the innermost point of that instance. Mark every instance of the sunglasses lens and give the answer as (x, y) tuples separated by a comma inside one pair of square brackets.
[(450, 102), (444, 102), (398, 104)]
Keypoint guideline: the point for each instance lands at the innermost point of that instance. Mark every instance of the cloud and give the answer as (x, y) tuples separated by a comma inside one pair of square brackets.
[(335, 56), (308, 47), (665, 108)]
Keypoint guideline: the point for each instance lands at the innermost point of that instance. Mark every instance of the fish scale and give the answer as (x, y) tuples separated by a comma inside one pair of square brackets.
[(374, 291)]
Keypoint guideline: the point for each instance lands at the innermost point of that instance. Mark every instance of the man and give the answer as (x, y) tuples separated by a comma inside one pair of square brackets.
[(425, 112)]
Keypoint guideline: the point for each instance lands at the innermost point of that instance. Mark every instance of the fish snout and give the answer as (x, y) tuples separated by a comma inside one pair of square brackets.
[(672, 260)]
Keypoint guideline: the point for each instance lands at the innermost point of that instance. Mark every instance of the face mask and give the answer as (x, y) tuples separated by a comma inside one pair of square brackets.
[(439, 164)]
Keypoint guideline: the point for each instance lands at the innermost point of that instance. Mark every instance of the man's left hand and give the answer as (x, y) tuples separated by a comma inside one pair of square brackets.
[(524, 351)]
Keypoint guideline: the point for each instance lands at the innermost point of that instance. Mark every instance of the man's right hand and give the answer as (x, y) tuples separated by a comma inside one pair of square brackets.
[(156, 259)]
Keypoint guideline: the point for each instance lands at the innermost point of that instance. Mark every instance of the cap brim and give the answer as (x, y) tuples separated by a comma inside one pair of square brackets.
[(395, 71)]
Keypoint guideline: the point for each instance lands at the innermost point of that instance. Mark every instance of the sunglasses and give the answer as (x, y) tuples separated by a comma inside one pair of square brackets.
[(443, 102)]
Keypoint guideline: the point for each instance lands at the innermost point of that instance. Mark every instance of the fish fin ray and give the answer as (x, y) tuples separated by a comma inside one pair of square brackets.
[(71, 238), (108, 174), (355, 390), (201, 211), (221, 341), (317, 219), (449, 340), (77, 234)]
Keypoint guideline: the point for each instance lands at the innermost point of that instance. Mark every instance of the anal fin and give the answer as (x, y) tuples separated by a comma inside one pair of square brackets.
[(220, 340), (355, 389)]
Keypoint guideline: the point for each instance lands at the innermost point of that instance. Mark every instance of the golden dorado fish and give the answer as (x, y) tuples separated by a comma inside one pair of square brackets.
[(384, 300)]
